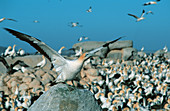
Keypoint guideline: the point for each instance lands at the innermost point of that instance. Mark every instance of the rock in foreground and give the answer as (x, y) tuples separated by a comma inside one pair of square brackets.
[(63, 98)]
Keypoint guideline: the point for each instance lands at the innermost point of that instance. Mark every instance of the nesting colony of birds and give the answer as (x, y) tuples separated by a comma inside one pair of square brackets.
[(117, 85), (141, 84)]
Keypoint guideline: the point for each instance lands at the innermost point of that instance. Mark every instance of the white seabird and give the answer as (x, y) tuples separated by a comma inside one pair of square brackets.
[(7, 51), (59, 51), (42, 63), (67, 69), (138, 18), (149, 12), (20, 52), (12, 53), (142, 49), (151, 2), (89, 10), (75, 24)]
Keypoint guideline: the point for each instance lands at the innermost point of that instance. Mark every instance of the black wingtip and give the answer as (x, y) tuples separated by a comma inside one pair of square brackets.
[(9, 30), (105, 45)]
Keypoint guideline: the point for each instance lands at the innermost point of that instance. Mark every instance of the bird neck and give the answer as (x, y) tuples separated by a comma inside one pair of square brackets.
[(82, 57)]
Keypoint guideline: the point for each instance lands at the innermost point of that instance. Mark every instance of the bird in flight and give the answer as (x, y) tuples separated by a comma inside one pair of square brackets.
[(67, 69), (74, 24), (138, 18), (2, 19), (151, 2), (89, 10), (149, 12)]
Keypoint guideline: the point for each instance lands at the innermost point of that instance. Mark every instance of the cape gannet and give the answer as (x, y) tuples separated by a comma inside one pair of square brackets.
[(12, 53), (7, 51), (138, 18), (42, 63), (80, 39), (59, 51), (149, 12), (20, 52), (142, 49), (36, 21), (83, 37), (89, 10), (74, 24), (151, 2), (67, 69), (2, 19)]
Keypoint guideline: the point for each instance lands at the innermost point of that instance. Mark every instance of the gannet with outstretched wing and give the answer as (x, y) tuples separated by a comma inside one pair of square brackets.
[(67, 69), (138, 18)]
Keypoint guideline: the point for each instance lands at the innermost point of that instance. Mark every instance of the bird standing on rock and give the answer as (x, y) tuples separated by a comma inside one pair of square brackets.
[(67, 69)]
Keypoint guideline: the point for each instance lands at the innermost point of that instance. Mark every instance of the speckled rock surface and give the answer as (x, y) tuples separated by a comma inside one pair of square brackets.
[(63, 98)]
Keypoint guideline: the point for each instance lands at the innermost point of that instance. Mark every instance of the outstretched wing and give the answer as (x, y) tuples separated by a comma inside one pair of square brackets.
[(105, 45), (44, 49), (11, 19), (133, 16), (143, 12)]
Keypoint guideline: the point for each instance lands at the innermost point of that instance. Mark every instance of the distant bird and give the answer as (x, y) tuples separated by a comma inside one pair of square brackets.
[(20, 52), (2, 19), (149, 12), (59, 51), (89, 10), (165, 49), (42, 63), (12, 53), (36, 21), (75, 24), (86, 38), (10, 68), (79, 52), (142, 49), (151, 2), (67, 69), (80, 39), (138, 18), (83, 37), (7, 51)]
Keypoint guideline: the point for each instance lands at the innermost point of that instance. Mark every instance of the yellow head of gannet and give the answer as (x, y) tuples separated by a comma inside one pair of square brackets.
[(59, 51), (7, 50)]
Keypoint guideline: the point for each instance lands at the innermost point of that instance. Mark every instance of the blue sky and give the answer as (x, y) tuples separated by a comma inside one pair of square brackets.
[(107, 21)]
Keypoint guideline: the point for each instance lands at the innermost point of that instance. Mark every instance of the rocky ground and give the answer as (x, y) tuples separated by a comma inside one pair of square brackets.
[(119, 78)]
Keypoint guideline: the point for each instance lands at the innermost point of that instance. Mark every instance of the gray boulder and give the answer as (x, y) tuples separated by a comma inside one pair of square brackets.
[(89, 45), (115, 54), (141, 54), (65, 98), (121, 44), (159, 53), (129, 53), (167, 55)]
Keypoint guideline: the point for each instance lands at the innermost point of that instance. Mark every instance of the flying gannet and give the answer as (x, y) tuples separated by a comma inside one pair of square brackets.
[(149, 12), (138, 18), (2, 19), (89, 10), (151, 2), (74, 24), (67, 69)]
